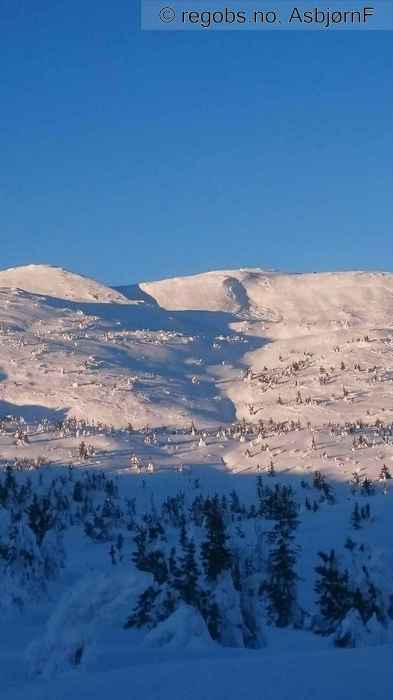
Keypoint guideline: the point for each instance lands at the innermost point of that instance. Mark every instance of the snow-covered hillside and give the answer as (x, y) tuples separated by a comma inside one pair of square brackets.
[(137, 421), (169, 352), (292, 303)]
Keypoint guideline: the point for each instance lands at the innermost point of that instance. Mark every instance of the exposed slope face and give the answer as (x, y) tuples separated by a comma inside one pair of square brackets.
[(59, 283)]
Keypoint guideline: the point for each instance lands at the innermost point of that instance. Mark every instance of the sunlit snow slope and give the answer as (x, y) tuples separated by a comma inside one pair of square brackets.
[(172, 351)]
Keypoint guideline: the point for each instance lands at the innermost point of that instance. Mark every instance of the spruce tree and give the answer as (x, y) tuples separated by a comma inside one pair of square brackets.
[(368, 487), (40, 517), (188, 575), (356, 517), (385, 473), (280, 585), (142, 614), (152, 561), (271, 470), (260, 495), (216, 554), (332, 587)]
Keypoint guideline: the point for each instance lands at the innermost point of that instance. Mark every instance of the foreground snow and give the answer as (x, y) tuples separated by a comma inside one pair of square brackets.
[(362, 674)]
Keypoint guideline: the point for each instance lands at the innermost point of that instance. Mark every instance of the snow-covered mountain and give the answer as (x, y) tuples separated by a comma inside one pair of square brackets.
[(136, 419)]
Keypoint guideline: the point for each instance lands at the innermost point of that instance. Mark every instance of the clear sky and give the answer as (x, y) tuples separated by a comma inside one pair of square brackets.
[(130, 155)]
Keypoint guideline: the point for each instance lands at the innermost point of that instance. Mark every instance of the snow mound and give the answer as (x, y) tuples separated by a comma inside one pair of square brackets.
[(184, 629), (353, 632), (56, 282), (82, 617)]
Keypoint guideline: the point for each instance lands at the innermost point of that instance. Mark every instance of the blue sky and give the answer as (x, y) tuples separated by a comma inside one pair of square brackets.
[(130, 155)]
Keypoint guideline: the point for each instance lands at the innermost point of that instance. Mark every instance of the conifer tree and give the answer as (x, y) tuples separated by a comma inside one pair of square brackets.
[(235, 505), (280, 585), (189, 575), (271, 470), (332, 587), (40, 517), (142, 614), (152, 561), (216, 554), (368, 488), (260, 495), (356, 517), (385, 473)]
